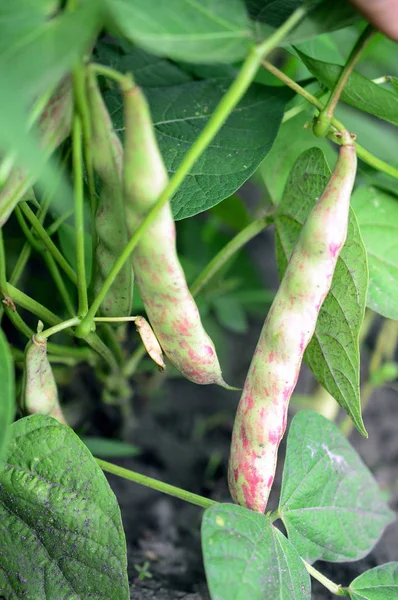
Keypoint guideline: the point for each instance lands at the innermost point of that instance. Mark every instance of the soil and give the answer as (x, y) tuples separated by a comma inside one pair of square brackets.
[(177, 448)]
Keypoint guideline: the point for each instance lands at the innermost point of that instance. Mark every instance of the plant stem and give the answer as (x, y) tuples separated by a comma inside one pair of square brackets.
[(53, 228), (335, 588), (79, 215), (114, 319), (135, 359), (79, 86), (31, 305), (213, 126), (43, 335), (59, 282), (108, 72), (47, 241), (154, 484), (363, 154), (352, 60), (227, 251)]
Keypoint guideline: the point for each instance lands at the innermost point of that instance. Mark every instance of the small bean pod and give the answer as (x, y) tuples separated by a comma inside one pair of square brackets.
[(260, 421), (54, 127), (110, 221), (39, 389), (172, 311)]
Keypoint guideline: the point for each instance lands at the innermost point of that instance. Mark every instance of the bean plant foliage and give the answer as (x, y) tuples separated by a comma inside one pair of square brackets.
[(126, 123)]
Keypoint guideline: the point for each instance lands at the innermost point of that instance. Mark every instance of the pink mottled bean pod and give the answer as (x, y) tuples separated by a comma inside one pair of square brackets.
[(260, 421), (54, 126), (110, 219), (171, 309), (39, 389)]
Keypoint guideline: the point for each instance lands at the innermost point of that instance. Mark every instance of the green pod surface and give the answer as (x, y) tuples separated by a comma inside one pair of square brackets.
[(39, 389), (110, 220), (261, 415), (54, 127), (172, 311)]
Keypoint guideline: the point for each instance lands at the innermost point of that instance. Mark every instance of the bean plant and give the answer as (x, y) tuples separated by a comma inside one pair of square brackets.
[(121, 120)]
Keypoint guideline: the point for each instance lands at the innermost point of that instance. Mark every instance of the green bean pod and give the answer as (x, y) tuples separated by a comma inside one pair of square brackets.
[(39, 389), (170, 307), (110, 220), (260, 420), (54, 127)]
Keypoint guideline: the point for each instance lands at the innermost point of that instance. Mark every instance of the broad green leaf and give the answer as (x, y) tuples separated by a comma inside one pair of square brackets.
[(41, 54), (60, 523), (7, 396), (377, 214), (291, 141), (323, 17), (109, 448), (368, 131), (230, 313), (394, 83), (333, 353), (180, 112), (330, 503), (358, 91), (247, 557), (380, 583), (191, 30)]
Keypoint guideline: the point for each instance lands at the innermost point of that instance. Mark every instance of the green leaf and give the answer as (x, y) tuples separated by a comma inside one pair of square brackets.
[(330, 503), (7, 397), (247, 557), (37, 52), (180, 113), (380, 583), (109, 448), (394, 83), (323, 17), (291, 141), (203, 31), (60, 523), (333, 353), (358, 91), (230, 314), (377, 214)]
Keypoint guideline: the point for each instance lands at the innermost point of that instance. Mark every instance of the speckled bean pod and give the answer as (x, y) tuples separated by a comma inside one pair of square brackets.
[(54, 127), (39, 389), (110, 221), (260, 421), (172, 312)]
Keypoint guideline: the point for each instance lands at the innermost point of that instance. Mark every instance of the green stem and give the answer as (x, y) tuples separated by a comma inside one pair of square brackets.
[(213, 126), (53, 228), (93, 340), (108, 72), (79, 215), (227, 251), (156, 485), (335, 588), (59, 282), (114, 319), (363, 154), (51, 247), (79, 85), (326, 114), (43, 335), (48, 259), (135, 359), (31, 305)]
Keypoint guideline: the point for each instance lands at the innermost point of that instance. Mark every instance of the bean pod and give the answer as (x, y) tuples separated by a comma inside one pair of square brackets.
[(110, 220), (54, 127), (170, 307), (261, 416), (39, 389)]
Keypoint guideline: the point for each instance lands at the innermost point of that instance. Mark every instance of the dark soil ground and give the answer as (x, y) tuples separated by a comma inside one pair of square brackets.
[(178, 448)]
